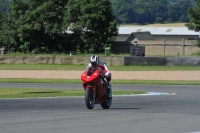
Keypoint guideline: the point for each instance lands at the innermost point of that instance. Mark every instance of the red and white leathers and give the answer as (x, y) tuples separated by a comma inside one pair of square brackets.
[(103, 66)]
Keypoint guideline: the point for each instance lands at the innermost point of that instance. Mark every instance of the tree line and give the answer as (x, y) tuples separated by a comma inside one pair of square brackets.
[(151, 11), (141, 11), (58, 26)]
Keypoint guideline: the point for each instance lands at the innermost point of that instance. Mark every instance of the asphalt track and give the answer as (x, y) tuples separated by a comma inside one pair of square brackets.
[(178, 113)]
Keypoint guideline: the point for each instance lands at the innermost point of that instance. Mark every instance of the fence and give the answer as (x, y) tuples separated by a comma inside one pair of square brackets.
[(114, 61)]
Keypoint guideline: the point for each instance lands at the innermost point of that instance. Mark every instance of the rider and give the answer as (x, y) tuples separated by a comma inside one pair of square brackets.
[(96, 62)]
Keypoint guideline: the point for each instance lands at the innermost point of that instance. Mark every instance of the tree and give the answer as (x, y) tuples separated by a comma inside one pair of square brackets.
[(125, 12), (184, 6), (194, 22), (8, 32), (93, 21), (39, 24), (5, 37), (4, 6)]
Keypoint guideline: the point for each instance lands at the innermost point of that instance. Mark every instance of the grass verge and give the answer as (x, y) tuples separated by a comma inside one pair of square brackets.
[(78, 81), (37, 93), (83, 67)]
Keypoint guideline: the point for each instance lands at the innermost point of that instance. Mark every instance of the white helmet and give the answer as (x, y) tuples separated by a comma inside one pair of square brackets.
[(94, 60)]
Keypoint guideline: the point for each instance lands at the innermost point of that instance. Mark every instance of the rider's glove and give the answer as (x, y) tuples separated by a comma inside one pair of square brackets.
[(105, 80)]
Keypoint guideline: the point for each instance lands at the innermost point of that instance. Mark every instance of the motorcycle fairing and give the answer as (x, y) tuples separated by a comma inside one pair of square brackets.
[(94, 82)]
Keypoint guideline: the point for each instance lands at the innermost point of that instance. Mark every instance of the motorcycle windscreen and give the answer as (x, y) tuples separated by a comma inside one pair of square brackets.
[(92, 77)]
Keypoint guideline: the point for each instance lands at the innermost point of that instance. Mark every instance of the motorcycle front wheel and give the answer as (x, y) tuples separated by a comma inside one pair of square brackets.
[(107, 100), (106, 103), (89, 98)]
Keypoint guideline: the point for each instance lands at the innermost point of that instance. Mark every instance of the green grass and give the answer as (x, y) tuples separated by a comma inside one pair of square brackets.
[(115, 81), (83, 67), (41, 67), (156, 82), (36, 93), (88, 55), (30, 80), (60, 54)]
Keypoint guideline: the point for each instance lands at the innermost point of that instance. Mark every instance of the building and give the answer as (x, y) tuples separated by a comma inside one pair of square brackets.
[(157, 40), (160, 33)]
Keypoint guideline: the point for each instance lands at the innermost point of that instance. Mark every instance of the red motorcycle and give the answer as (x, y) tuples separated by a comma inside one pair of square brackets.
[(95, 89)]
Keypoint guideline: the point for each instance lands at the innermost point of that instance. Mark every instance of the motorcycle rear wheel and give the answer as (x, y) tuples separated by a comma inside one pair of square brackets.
[(89, 98)]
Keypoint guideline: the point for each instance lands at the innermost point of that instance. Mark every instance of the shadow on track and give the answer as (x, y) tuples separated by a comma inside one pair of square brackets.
[(123, 108)]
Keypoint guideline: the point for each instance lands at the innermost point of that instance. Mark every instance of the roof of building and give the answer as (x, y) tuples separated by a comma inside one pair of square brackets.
[(158, 30), (145, 35)]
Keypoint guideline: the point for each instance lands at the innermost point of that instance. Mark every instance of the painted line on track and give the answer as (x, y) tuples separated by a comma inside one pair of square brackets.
[(149, 94)]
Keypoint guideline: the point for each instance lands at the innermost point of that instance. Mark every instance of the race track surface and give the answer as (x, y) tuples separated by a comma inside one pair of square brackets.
[(178, 113)]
